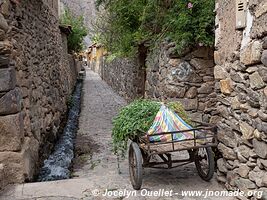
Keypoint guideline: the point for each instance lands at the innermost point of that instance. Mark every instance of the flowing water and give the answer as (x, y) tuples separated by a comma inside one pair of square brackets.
[(57, 165)]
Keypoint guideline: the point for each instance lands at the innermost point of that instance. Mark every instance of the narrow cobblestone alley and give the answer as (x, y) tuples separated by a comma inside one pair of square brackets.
[(99, 171), (100, 105)]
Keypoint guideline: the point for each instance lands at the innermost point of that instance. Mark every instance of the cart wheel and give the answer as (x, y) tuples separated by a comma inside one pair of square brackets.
[(135, 166), (204, 160)]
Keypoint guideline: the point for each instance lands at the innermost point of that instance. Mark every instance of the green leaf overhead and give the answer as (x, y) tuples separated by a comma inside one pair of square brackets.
[(131, 22)]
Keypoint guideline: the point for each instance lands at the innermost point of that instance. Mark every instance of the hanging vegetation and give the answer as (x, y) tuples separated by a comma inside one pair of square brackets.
[(127, 23), (79, 31)]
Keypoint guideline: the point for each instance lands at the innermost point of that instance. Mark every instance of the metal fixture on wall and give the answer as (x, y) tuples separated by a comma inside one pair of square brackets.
[(241, 13)]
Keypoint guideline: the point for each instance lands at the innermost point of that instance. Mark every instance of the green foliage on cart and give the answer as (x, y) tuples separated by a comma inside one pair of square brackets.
[(177, 107), (135, 119)]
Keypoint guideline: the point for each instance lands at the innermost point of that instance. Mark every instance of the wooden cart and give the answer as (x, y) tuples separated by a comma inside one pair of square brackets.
[(199, 148)]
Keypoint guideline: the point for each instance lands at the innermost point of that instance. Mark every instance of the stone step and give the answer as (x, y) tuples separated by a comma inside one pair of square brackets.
[(63, 189)]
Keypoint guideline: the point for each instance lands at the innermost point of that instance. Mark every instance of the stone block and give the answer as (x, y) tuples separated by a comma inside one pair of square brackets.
[(251, 54), (259, 27), (235, 104), (264, 57), (261, 9), (11, 127), (225, 139), (201, 64), (262, 116), (243, 150), (264, 43), (1, 176), (206, 88), (238, 66), (251, 69), (260, 148), (243, 170), (30, 151), (246, 130), (208, 78), (256, 81), (224, 111), (263, 162), (174, 91), (196, 116), (221, 178), (253, 98), (7, 79), (190, 104), (231, 176), (256, 175), (5, 7), (2, 35), (191, 93), (264, 180), (10, 103), (221, 165), (226, 86), (237, 77), (214, 119), (218, 58), (264, 127), (263, 72), (174, 62), (3, 23), (202, 106), (4, 61), (5, 47), (228, 153), (245, 184), (13, 167)]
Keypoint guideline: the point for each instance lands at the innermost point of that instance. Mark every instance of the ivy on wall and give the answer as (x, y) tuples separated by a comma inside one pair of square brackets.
[(127, 23)]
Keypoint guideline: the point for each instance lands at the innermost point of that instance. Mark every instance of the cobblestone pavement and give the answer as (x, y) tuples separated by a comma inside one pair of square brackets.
[(96, 170), (100, 105)]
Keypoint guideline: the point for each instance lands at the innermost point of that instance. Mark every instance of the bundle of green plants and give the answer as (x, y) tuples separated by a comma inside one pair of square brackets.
[(135, 119)]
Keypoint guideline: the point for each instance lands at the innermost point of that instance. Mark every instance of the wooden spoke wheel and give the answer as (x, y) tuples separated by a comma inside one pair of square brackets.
[(204, 160), (135, 166)]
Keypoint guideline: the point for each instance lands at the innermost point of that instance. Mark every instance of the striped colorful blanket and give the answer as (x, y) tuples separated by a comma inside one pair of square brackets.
[(167, 121)]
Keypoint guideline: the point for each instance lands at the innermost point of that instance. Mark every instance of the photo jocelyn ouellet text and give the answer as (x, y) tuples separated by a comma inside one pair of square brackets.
[(169, 193)]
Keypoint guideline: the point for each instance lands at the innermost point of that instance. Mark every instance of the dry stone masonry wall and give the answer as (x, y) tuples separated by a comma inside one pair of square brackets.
[(162, 75), (241, 86), (125, 76), (35, 82), (187, 78)]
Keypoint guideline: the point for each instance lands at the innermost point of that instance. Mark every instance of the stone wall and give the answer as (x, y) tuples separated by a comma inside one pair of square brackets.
[(125, 76), (241, 80), (159, 74), (53, 4), (187, 78), (35, 82)]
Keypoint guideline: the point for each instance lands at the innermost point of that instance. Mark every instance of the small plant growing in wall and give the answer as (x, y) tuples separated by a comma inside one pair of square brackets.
[(79, 31)]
